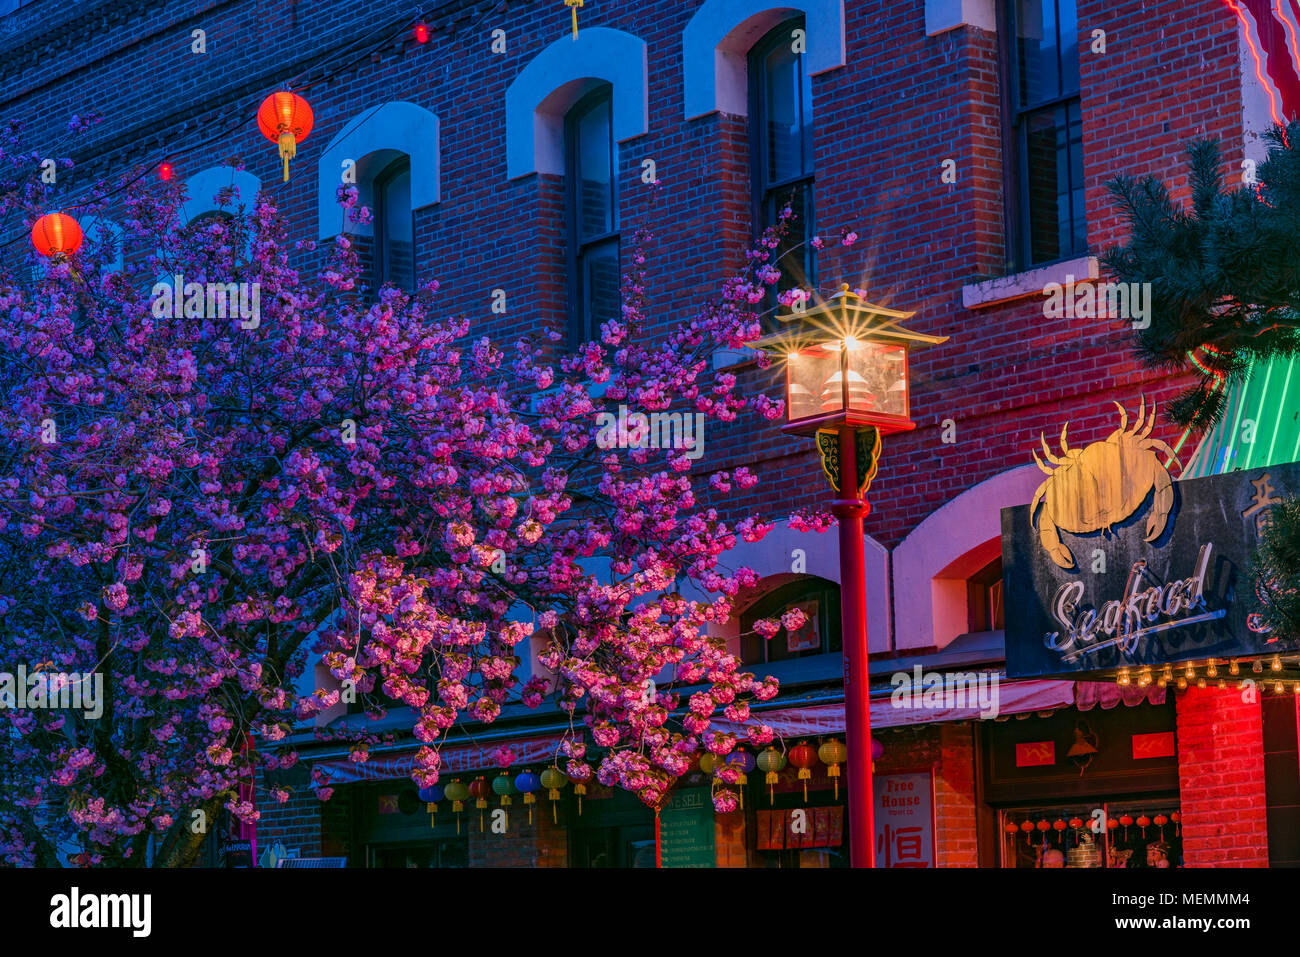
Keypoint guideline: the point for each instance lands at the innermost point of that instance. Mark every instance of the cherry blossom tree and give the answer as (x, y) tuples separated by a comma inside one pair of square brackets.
[(195, 505)]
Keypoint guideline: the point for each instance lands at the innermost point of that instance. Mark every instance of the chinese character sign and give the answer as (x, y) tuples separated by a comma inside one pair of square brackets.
[(905, 820)]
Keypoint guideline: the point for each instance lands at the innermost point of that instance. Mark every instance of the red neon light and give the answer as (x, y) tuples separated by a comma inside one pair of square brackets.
[(1259, 65)]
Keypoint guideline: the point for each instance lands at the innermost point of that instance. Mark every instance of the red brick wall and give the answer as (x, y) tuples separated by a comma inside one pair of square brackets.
[(540, 844), (296, 823), (1221, 779), (949, 750)]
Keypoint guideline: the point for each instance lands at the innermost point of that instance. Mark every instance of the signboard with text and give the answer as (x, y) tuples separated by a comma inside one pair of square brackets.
[(686, 829), (904, 818), (1171, 581)]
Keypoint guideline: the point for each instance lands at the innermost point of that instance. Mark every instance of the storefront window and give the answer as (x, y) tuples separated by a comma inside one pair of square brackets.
[(1106, 834)]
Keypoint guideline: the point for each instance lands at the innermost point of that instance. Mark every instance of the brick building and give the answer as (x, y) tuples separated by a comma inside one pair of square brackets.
[(967, 142)]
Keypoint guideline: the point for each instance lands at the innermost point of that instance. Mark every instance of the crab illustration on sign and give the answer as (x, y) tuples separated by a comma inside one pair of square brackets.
[(1095, 488)]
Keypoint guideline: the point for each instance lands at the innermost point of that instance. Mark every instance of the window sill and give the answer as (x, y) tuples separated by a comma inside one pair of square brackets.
[(727, 358), (1023, 285)]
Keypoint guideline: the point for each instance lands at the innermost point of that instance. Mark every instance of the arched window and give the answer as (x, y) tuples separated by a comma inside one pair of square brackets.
[(591, 164), (394, 226), (984, 611), (820, 634), (781, 146)]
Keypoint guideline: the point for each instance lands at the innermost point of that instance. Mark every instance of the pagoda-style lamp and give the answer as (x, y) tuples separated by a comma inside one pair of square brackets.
[(847, 384)]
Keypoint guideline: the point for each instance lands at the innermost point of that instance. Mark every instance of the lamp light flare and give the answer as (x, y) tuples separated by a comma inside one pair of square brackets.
[(421, 33), (165, 172)]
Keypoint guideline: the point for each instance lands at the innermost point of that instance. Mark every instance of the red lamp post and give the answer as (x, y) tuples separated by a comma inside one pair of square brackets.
[(846, 383)]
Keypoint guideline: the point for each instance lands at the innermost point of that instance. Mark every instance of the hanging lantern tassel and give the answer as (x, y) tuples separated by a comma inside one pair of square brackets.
[(288, 150), (432, 808), (803, 757), (553, 779), (457, 792), (529, 800), (833, 753), (771, 762), (580, 790)]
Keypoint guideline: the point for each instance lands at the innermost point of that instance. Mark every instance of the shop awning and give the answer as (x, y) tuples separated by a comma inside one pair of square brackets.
[(456, 759), (1013, 697), (1269, 400)]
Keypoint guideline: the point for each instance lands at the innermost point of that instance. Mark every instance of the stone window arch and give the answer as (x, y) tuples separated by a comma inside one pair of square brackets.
[(369, 144), (718, 38), (955, 545), (538, 99)]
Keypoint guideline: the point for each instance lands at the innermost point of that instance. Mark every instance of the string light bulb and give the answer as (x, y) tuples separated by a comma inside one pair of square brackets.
[(1276, 663), (1212, 671), (1232, 668)]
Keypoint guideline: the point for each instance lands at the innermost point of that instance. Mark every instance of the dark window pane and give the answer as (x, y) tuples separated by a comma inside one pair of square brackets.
[(600, 285), (398, 237), (1053, 171), (595, 178), (795, 255), (1036, 31), (784, 114), (1068, 40)]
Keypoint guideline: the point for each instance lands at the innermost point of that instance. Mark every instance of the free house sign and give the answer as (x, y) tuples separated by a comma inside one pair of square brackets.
[(1116, 565)]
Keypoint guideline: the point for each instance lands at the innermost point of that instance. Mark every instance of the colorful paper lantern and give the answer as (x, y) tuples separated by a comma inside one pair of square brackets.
[(742, 759), (527, 782), (457, 793), (803, 757), (56, 235), (479, 789), (431, 796), (504, 785), (833, 753), (553, 780), (707, 762), (877, 749), (285, 118), (772, 763)]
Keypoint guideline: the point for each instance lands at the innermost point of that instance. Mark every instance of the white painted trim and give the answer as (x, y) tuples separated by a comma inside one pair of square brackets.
[(1031, 282), (967, 523), (558, 77), (944, 15), (373, 139), (203, 186), (718, 38)]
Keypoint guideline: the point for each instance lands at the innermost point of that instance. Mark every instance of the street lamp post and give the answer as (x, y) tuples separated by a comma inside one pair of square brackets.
[(847, 384)]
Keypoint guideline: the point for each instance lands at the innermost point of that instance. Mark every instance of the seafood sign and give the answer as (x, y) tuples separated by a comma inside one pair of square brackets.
[(1146, 608), (1123, 580)]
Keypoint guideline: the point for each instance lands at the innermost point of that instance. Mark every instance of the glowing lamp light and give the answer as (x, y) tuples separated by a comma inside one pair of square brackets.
[(847, 365), (285, 118), (421, 33), (165, 172), (56, 235)]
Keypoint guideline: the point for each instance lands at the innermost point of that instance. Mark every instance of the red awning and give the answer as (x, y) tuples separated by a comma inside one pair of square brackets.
[(456, 759), (1013, 697)]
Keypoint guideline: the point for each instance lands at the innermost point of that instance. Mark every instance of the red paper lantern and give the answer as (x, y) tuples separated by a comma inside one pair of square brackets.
[(479, 789), (285, 118), (803, 757), (56, 235), (1011, 828)]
